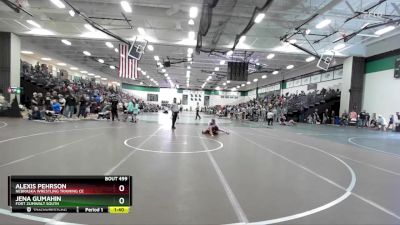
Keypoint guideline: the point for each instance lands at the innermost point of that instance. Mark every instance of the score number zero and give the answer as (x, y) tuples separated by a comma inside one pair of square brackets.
[(121, 187)]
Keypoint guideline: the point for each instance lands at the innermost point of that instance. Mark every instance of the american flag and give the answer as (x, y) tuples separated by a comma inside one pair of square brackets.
[(127, 65)]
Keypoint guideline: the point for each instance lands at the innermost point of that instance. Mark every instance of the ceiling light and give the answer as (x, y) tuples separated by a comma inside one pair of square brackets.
[(248, 82), (103, 78), (66, 42), (243, 85), (385, 30), (156, 58), (126, 7), (289, 67), (169, 78), (163, 70), (217, 88), (188, 67), (228, 81), (275, 72), (310, 59), (216, 68), (222, 62), (224, 84), (71, 12), (292, 41), (270, 56), (242, 39), (73, 68), (189, 55), (101, 60), (27, 52), (61, 64), (91, 74), (308, 31), (46, 59), (191, 35), (33, 23), (87, 53), (188, 73), (190, 50), (144, 73), (255, 80), (238, 86), (89, 27), (141, 30), (259, 17), (166, 75), (323, 24), (191, 22), (112, 67), (141, 83), (58, 3), (339, 46), (97, 76), (139, 69), (193, 11), (109, 44), (189, 59), (84, 71), (229, 53), (40, 31), (264, 76), (150, 47)]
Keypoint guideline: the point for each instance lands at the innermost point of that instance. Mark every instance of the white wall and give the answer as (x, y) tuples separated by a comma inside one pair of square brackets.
[(165, 94), (381, 93)]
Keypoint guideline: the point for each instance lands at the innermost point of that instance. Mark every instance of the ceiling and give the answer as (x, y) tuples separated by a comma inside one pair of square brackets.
[(166, 27)]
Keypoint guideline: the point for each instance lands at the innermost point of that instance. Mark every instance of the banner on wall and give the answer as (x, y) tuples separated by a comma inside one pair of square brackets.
[(277, 87), (338, 74), (327, 76), (289, 84), (305, 80), (297, 83), (316, 79), (312, 86)]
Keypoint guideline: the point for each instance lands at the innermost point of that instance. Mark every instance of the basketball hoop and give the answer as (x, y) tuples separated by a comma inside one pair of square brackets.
[(22, 3)]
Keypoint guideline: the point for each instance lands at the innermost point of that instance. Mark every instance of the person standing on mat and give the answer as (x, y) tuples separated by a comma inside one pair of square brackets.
[(197, 112), (114, 107), (175, 112)]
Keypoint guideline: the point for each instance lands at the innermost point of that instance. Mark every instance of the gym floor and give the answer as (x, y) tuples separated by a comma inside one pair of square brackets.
[(306, 174)]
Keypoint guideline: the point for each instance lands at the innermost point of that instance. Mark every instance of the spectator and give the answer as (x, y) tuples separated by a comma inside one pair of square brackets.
[(381, 122), (70, 103), (270, 118)]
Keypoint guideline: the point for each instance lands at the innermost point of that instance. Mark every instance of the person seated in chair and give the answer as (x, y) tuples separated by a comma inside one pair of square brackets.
[(53, 114), (213, 128)]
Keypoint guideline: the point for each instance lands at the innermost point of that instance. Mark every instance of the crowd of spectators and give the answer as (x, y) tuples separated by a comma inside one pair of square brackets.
[(76, 98), (278, 108), (274, 107)]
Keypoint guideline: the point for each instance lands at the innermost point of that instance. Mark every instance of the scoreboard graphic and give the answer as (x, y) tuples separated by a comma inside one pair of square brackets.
[(70, 194)]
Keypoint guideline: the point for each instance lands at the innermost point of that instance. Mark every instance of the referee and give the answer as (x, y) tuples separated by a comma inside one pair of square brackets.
[(175, 111)]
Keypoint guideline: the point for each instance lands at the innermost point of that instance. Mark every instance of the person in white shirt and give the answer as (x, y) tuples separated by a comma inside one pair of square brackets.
[(270, 117), (381, 121), (175, 112)]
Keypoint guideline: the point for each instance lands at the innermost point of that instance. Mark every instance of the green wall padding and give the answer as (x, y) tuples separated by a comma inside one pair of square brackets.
[(380, 64)]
